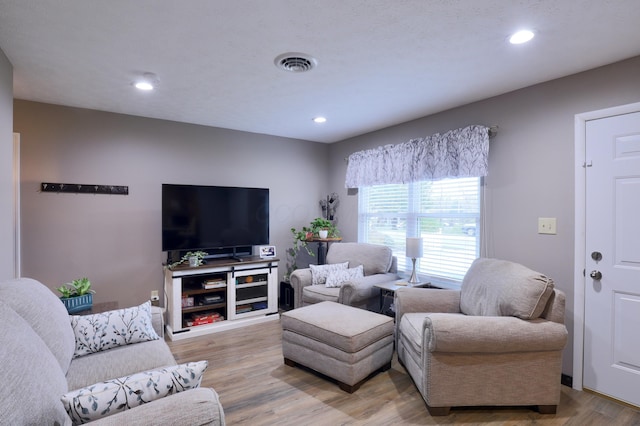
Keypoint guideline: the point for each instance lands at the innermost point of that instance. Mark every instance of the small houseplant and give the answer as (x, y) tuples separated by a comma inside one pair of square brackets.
[(77, 295), (199, 255), (303, 236), (319, 224)]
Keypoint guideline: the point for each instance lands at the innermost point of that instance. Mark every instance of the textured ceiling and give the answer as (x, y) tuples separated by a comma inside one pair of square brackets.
[(380, 62)]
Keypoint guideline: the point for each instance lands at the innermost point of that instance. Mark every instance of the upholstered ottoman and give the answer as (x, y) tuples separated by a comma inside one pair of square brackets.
[(345, 343)]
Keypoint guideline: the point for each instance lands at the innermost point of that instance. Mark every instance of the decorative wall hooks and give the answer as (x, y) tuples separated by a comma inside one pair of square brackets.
[(84, 189)]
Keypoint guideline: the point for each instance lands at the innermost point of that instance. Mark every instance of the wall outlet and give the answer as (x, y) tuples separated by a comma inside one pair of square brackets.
[(547, 225), (154, 296)]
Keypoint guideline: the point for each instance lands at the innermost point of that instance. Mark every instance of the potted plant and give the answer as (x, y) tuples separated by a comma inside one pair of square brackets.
[(302, 237), (198, 255), (320, 224), (77, 295)]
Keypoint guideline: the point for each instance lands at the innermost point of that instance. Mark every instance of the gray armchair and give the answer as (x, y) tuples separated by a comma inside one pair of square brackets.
[(379, 266), (496, 342)]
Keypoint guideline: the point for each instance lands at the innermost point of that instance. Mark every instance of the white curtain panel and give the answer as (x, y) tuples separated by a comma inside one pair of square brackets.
[(457, 153)]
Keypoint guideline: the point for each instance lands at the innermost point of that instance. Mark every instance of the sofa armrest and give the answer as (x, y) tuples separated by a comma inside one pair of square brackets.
[(157, 320), (415, 299), (200, 406), (358, 290), (299, 279), (462, 333)]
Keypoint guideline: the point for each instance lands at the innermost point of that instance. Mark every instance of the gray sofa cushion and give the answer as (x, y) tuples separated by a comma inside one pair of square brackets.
[(32, 378), (118, 362), (493, 287), (44, 312), (376, 259), (200, 406)]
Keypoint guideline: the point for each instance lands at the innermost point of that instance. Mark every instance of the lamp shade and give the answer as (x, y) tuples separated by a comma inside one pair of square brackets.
[(414, 248)]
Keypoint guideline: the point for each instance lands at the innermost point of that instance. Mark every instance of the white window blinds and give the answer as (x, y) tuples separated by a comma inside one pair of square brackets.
[(445, 213)]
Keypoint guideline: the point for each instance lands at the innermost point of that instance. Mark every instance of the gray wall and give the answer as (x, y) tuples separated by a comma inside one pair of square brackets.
[(115, 240), (531, 166), (6, 169)]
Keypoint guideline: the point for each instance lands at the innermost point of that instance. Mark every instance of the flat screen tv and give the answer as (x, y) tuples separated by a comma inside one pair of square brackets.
[(213, 218)]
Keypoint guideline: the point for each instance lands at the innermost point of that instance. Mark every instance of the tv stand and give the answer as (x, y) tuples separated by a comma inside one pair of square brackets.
[(221, 295)]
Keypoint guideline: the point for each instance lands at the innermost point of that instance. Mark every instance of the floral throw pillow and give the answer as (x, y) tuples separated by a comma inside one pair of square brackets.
[(106, 330), (337, 278), (116, 395), (319, 273)]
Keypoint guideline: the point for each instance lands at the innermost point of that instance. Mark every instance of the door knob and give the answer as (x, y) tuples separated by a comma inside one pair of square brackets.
[(596, 275)]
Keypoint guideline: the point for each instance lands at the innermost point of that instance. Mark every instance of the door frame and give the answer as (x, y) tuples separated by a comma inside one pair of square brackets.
[(580, 248), (17, 260)]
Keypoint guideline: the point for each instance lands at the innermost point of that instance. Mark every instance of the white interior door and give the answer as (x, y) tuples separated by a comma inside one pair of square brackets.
[(612, 242)]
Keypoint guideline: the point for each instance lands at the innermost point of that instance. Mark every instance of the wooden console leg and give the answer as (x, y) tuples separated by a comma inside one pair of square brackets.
[(547, 409), (439, 411)]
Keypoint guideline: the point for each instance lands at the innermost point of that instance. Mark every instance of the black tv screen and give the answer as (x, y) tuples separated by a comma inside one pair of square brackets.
[(197, 217)]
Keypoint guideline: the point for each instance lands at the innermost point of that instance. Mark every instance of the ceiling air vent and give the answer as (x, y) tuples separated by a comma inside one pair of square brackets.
[(295, 62)]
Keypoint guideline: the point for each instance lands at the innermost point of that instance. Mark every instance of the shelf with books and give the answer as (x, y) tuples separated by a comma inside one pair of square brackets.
[(237, 293)]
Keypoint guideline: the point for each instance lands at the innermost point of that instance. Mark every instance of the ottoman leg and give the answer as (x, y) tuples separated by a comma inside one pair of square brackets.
[(350, 388), (353, 388), (290, 363)]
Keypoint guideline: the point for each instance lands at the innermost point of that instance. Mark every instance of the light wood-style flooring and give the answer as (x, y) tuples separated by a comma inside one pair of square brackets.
[(246, 369)]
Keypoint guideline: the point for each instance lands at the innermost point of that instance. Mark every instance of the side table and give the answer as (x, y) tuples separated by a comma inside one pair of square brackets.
[(97, 308), (323, 247), (387, 292)]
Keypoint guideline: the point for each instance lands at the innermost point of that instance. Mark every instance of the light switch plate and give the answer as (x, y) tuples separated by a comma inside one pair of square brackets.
[(547, 225)]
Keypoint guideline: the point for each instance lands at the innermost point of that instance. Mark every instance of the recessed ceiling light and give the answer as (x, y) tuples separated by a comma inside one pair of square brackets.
[(521, 37), (148, 81), (319, 120), (143, 85)]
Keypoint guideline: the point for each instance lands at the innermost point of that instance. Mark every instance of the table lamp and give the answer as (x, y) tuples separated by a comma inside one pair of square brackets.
[(414, 251)]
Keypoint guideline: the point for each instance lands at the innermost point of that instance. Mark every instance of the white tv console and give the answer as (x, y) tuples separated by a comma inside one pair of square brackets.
[(237, 294)]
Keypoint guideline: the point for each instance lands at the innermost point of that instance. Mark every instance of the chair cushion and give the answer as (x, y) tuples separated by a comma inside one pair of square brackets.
[(495, 287), (411, 326), (44, 312), (376, 259), (319, 293)]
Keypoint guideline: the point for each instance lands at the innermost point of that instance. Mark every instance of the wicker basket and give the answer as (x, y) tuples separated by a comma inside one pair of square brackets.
[(78, 303)]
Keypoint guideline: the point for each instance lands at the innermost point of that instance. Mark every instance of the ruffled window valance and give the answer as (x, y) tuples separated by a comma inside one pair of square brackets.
[(457, 153)]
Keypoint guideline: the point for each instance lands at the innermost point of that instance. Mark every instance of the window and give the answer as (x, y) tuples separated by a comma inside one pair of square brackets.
[(445, 213)]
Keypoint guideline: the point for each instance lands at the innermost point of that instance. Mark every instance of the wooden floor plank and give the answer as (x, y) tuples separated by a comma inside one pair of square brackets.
[(246, 368)]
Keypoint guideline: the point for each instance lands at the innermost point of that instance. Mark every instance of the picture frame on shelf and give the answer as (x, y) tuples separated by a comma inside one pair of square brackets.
[(267, 252)]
